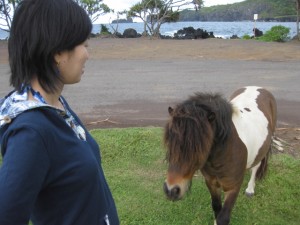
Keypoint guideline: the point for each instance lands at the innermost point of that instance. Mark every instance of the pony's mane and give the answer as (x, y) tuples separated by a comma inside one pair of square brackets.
[(195, 126), (218, 106)]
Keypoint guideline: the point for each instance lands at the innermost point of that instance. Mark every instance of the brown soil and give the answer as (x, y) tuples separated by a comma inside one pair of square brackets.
[(143, 48)]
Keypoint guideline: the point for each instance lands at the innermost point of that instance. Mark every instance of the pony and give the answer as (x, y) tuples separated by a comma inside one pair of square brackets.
[(221, 138)]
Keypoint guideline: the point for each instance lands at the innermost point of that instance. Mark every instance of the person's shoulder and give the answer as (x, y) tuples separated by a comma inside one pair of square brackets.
[(33, 123), (38, 119)]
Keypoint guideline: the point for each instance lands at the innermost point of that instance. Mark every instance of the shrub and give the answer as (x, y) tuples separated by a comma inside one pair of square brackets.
[(277, 33), (104, 30), (246, 37)]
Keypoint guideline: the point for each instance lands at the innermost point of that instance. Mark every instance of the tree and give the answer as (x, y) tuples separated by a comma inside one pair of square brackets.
[(94, 8), (7, 8), (156, 12)]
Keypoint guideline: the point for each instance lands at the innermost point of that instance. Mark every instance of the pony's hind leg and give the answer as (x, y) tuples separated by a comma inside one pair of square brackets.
[(251, 184)]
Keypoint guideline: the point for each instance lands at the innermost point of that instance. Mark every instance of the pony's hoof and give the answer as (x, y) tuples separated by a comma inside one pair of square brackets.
[(249, 195)]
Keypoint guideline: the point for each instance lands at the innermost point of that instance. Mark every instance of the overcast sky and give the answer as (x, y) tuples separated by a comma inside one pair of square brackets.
[(120, 5)]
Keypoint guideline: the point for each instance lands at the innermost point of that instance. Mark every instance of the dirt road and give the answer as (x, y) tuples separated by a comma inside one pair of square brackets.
[(131, 82)]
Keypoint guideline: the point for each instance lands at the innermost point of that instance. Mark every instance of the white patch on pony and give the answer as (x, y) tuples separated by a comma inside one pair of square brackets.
[(250, 123), (251, 183)]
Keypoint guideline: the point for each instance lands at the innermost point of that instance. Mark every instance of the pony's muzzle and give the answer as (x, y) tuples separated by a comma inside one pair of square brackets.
[(172, 193)]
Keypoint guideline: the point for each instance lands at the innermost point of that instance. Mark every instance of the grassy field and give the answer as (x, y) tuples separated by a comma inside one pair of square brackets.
[(133, 161)]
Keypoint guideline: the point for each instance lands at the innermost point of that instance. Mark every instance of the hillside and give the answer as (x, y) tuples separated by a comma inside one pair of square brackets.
[(267, 10)]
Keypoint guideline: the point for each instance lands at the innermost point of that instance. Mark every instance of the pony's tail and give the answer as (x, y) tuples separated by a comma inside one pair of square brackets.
[(262, 170)]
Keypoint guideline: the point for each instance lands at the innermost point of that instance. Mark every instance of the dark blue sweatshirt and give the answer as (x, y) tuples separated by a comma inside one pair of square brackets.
[(50, 176)]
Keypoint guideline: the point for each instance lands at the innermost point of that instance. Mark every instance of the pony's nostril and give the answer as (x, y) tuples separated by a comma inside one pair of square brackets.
[(175, 192)]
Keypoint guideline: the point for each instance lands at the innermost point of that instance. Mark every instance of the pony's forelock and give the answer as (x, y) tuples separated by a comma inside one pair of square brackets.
[(194, 127), (188, 138)]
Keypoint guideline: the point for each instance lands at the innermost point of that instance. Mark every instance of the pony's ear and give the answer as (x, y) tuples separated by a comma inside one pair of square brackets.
[(170, 110), (211, 116)]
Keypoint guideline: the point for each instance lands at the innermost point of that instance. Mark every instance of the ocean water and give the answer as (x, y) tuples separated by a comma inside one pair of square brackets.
[(220, 29)]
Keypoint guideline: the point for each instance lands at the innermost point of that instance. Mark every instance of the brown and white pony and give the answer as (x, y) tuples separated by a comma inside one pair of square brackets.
[(221, 138)]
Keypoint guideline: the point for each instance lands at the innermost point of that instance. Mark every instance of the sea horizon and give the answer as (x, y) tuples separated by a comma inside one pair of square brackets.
[(220, 29)]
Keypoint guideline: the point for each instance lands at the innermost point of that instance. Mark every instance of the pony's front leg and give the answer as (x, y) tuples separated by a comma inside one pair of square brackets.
[(230, 199), (216, 200)]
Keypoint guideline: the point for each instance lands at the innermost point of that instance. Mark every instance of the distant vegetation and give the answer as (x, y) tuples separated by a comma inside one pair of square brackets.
[(277, 33), (129, 20), (267, 10)]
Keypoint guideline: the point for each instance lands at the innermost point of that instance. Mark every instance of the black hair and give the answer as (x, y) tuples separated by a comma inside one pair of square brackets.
[(41, 29)]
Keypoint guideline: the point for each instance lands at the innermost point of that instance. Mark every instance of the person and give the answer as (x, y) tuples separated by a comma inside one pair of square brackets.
[(51, 170)]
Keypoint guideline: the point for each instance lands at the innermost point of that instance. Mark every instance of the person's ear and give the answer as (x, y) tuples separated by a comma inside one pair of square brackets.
[(57, 58)]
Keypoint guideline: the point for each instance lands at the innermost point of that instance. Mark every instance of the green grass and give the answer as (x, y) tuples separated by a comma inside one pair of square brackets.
[(133, 161)]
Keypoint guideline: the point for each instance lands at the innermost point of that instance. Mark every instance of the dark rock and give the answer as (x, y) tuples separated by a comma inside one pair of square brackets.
[(234, 37), (165, 36), (118, 34), (130, 33), (257, 32), (191, 33)]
